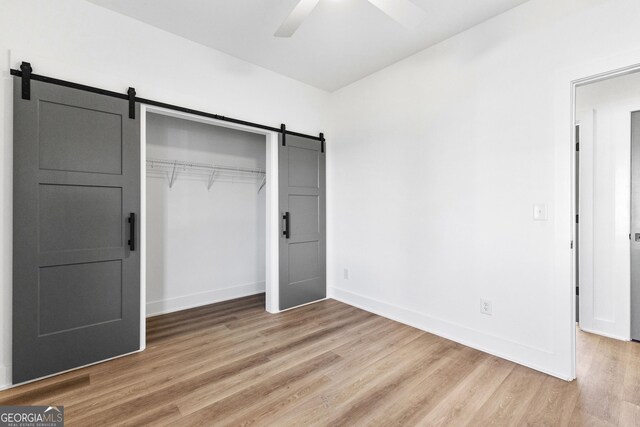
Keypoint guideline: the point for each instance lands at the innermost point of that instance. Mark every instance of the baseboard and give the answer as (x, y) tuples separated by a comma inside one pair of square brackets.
[(615, 337), (184, 302), (500, 347), (4, 377), (301, 305)]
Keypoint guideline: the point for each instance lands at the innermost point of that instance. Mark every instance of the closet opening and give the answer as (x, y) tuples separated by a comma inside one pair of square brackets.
[(208, 230)]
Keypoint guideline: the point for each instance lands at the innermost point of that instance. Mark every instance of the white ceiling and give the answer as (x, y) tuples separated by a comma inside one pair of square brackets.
[(341, 41)]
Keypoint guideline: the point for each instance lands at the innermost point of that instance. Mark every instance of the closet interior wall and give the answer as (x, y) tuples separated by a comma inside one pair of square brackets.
[(205, 237)]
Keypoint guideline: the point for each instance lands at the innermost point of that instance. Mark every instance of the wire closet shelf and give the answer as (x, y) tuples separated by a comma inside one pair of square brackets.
[(211, 172)]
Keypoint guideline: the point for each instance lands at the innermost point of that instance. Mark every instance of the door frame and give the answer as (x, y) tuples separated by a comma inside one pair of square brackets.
[(272, 217), (565, 186)]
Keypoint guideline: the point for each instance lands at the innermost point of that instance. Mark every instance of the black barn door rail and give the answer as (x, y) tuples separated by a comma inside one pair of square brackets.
[(26, 75)]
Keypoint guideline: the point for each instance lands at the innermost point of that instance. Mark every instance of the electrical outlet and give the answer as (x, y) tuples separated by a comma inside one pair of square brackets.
[(486, 306), (345, 274)]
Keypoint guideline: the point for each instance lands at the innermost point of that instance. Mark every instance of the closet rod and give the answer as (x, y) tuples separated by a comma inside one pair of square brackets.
[(207, 166), (125, 96), (213, 171)]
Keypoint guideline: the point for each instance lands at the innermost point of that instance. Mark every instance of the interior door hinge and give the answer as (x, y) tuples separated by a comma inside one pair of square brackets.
[(577, 146), (572, 244), (577, 219), (321, 142), (577, 290)]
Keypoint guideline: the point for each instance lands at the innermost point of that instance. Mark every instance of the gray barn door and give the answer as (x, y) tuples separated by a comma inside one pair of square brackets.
[(302, 206), (635, 226), (76, 286)]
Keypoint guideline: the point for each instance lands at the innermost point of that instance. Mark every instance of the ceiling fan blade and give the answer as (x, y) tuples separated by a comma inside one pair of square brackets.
[(404, 12), (295, 18)]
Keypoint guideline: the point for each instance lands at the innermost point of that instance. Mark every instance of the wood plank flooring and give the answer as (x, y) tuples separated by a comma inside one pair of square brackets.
[(332, 364)]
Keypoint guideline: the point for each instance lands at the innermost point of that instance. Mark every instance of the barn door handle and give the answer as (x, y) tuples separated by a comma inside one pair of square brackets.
[(285, 232), (132, 231)]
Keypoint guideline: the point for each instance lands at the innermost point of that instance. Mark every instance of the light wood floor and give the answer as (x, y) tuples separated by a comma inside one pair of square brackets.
[(331, 364)]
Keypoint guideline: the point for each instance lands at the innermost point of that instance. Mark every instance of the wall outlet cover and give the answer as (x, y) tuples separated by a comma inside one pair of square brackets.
[(486, 306)]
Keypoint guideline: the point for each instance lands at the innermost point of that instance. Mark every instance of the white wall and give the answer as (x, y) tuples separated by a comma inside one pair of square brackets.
[(78, 41), (604, 112), (203, 245), (6, 218), (435, 162)]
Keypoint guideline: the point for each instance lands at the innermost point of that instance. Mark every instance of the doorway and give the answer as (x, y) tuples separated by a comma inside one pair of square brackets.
[(229, 174), (605, 110)]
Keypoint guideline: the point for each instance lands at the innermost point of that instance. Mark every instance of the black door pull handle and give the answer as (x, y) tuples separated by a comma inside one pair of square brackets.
[(285, 232), (132, 231)]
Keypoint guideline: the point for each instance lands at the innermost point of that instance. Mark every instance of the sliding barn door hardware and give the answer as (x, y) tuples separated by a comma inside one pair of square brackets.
[(131, 92), (26, 69), (26, 74), (283, 130)]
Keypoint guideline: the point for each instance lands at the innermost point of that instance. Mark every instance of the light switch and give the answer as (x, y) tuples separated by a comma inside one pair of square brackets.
[(539, 212)]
